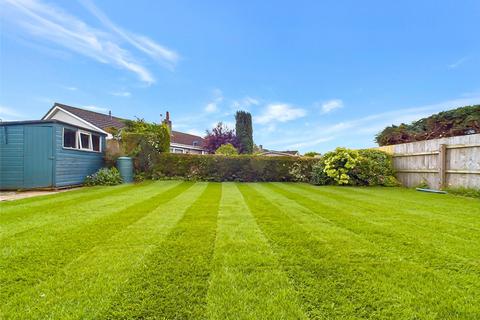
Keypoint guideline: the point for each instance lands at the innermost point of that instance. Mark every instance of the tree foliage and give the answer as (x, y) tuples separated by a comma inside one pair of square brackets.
[(244, 131), (227, 150), (140, 135), (219, 136), (456, 122)]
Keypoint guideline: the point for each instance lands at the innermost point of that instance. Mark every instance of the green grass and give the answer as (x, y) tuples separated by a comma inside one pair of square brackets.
[(185, 250)]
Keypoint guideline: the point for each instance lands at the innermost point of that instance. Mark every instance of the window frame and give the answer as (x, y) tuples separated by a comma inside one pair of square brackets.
[(63, 139), (80, 145), (78, 140)]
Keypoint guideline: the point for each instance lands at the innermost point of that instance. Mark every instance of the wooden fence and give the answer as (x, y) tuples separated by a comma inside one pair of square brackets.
[(446, 162)]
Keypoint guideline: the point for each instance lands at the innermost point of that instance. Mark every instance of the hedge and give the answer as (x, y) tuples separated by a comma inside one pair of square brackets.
[(244, 168)]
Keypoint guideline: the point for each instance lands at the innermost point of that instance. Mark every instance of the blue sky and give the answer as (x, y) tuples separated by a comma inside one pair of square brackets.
[(314, 74)]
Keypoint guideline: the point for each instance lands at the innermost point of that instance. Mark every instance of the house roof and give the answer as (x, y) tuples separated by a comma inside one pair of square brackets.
[(105, 121), (186, 138), (281, 153), (100, 120)]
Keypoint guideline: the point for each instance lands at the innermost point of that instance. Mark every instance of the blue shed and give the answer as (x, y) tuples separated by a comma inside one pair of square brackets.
[(47, 154)]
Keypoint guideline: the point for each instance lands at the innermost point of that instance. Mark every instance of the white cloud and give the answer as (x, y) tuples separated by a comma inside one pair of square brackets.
[(52, 24), (330, 105), (95, 108), (366, 126), (245, 103), (279, 112), (158, 52), (70, 88), (212, 106), (458, 63), (6, 112), (121, 94)]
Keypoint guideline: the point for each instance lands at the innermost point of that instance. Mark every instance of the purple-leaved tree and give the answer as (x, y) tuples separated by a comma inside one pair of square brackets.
[(219, 136)]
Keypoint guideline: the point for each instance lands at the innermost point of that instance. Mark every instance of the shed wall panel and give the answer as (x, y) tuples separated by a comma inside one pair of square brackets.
[(11, 157)]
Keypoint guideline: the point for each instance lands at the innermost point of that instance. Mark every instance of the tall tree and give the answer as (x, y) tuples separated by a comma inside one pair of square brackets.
[(219, 136), (244, 131)]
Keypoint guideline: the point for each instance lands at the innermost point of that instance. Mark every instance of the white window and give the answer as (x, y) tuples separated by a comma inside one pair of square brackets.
[(177, 150), (85, 140), (82, 140)]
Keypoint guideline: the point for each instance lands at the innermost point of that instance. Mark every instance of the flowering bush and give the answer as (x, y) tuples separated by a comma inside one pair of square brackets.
[(104, 177), (354, 167), (339, 163)]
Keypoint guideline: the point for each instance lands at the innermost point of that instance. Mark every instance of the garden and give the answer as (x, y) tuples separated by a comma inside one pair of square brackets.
[(207, 250)]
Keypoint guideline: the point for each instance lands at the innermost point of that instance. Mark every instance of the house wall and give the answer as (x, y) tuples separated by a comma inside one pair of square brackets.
[(11, 157), (72, 166), (61, 115), (183, 148)]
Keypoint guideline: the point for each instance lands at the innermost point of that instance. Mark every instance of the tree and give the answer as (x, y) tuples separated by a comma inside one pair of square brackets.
[(139, 135), (456, 122), (227, 150), (244, 131), (219, 136)]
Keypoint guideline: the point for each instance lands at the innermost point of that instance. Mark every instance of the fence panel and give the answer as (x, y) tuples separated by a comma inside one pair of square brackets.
[(445, 162)]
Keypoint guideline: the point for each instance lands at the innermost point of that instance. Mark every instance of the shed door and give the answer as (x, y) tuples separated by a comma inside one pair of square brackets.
[(38, 153)]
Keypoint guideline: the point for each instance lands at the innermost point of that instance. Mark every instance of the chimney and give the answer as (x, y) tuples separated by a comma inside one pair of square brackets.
[(110, 114), (167, 121)]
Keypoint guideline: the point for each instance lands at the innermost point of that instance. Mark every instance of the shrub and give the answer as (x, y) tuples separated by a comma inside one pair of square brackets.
[(339, 163), (245, 168), (104, 177), (319, 177), (355, 167), (374, 168), (227, 150), (299, 171)]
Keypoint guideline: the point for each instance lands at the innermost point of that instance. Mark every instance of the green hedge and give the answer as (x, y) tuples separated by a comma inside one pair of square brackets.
[(246, 168)]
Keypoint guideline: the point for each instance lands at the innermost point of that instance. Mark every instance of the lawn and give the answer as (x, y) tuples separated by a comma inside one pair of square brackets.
[(184, 250)]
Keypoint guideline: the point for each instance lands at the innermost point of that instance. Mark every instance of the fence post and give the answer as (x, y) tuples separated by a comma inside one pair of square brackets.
[(442, 165)]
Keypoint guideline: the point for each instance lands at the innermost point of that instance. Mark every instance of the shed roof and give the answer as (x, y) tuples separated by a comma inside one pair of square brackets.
[(27, 122)]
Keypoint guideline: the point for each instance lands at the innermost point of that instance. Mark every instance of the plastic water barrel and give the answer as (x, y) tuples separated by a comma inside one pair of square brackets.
[(125, 167)]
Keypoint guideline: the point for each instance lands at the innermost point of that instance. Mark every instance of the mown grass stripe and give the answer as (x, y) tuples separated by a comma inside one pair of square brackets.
[(246, 281), (379, 224), (23, 218), (172, 283), (56, 248), (393, 271), (86, 286), (18, 208), (341, 275), (441, 213)]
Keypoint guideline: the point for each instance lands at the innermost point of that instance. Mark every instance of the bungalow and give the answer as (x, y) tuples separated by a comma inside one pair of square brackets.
[(180, 142)]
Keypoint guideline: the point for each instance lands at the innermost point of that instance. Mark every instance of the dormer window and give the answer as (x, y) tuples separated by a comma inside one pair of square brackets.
[(195, 143)]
